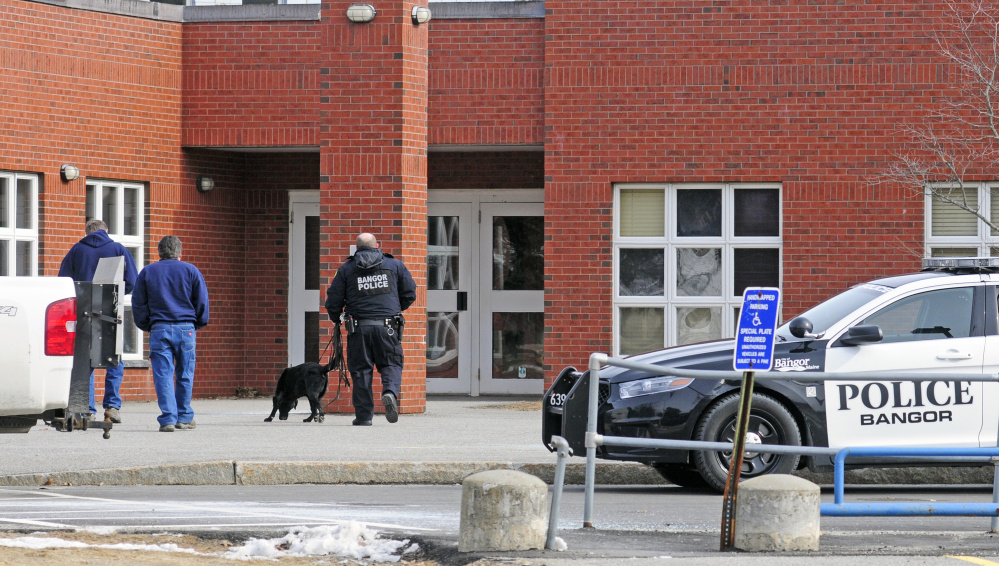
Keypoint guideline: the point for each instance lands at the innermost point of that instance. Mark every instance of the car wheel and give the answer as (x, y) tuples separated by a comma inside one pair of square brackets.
[(681, 475), (769, 423)]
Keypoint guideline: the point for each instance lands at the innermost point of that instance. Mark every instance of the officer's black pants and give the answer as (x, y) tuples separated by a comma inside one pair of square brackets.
[(369, 348)]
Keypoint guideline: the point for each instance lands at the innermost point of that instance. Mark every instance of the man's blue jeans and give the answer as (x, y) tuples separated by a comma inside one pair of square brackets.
[(112, 384), (171, 352)]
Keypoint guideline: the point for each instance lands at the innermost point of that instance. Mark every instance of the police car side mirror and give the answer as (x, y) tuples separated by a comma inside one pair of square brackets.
[(863, 334), (801, 327)]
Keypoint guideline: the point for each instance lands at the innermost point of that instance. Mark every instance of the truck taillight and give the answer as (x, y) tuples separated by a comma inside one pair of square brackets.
[(60, 328)]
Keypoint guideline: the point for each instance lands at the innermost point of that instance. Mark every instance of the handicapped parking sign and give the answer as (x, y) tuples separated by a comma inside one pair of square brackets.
[(754, 339)]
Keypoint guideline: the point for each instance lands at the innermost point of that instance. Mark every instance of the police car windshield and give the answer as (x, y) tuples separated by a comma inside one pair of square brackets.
[(827, 313)]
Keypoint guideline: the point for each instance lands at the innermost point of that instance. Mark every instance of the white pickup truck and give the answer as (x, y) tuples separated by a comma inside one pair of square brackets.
[(53, 332), (37, 337)]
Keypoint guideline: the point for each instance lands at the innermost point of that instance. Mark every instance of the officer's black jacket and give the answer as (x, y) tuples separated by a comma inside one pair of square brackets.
[(369, 285)]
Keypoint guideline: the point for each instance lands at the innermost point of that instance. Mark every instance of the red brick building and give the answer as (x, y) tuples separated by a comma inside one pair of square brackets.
[(561, 178)]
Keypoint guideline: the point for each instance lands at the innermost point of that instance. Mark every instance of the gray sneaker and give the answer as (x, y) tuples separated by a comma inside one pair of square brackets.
[(167, 428), (112, 414), (186, 426)]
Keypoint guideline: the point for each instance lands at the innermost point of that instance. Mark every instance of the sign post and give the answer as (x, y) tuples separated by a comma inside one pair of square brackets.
[(754, 351)]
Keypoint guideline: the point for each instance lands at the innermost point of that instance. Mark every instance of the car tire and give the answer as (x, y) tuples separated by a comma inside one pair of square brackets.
[(769, 423), (681, 475)]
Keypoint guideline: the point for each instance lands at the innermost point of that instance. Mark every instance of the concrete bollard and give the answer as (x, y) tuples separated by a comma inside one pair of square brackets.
[(502, 510), (777, 512)]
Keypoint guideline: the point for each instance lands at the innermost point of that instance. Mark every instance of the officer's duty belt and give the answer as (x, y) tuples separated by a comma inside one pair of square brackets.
[(374, 322)]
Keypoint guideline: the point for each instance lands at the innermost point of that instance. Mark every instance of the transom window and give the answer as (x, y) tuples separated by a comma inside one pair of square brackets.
[(684, 253), (952, 231), (18, 224), (121, 206)]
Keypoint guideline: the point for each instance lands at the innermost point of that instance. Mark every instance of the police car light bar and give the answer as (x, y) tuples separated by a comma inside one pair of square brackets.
[(960, 262)]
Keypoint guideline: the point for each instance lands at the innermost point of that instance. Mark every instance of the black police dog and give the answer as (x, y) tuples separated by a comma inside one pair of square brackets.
[(304, 380)]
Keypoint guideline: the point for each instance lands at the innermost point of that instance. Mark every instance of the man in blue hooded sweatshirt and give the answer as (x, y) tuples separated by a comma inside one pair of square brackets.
[(81, 264)]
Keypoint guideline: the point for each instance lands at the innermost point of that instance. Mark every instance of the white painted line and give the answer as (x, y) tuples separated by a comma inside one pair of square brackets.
[(36, 523), (158, 505)]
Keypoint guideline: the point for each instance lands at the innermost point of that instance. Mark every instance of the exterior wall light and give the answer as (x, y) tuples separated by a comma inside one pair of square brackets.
[(421, 15), (205, 184), (69, 173), (361, 13)]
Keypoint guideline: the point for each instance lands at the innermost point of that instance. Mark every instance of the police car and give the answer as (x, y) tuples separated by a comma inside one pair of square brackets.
[(943, 319)]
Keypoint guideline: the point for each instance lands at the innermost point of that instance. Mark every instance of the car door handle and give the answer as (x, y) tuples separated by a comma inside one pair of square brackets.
[(954, 355)]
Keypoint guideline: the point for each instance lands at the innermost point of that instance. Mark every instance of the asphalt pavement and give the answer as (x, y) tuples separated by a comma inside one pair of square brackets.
[(453, 438)]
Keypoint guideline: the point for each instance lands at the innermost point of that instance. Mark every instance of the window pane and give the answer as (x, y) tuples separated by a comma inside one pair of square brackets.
[(4, 257), (136, 256), (757, 212), (131, 212), (518, 253), (311, 344), (994, 208), (23, 210), (954, 252), (951, 220), (643, 212), (22, 259), (109, 212), (130, 338), (641, 273), (442, 344), (312, 253), (935, 315), (698, 272), (4, 202), (442, 253), (518, 345), (642, 330), (697, 324), (698, 212), (756, 268), (91, 202)]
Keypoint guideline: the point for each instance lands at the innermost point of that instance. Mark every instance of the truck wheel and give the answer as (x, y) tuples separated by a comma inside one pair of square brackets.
[(681, 475), (769, 423)]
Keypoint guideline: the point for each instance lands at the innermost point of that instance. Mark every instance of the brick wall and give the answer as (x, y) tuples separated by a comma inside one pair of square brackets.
[(806, 94), (486, 81), (251, 83)]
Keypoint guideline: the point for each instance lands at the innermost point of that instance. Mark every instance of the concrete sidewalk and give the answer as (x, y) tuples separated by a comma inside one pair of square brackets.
[(232, 444)]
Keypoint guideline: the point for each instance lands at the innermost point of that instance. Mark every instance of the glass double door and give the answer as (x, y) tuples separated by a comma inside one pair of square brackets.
[(485, 297)]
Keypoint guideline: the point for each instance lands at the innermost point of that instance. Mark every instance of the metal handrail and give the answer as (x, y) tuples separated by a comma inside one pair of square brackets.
[(597, 360)]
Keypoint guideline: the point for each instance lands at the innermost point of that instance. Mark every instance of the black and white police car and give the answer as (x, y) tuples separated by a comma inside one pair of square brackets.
[(943, 319)]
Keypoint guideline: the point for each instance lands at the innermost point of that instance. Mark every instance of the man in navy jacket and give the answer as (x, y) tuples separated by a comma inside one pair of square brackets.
[(81, 264), (170, 302)]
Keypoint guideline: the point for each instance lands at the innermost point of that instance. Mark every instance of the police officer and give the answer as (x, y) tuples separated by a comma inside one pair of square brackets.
[(372, 288)]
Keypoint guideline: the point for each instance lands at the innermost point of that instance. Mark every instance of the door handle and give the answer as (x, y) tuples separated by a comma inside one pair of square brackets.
[(462, 301), (954, 355)]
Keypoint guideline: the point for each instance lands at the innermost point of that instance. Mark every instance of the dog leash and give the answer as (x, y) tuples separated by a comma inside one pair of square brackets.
[(336, 362)]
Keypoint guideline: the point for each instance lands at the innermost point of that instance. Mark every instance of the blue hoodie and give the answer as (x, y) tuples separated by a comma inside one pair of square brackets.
[(81, 261)]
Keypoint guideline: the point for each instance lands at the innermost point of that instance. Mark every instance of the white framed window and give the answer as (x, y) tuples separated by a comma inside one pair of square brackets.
[(18, 224), (121, 205), (952, 231), (684, 253)]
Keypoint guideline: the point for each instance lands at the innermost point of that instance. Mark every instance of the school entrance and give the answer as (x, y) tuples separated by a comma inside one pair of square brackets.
[(485, 292), (485, 289)]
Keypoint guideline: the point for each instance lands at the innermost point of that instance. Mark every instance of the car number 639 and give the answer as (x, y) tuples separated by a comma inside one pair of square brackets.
[(557, 399)]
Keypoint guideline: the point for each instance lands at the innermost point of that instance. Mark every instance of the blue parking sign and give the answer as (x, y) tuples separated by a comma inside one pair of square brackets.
[(754, 338)]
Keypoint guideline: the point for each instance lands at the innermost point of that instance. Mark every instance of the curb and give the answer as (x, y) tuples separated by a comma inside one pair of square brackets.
[(443, 473), (290, 473)]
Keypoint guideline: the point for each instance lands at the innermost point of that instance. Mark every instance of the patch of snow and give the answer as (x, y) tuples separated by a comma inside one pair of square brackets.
[(351, 540)]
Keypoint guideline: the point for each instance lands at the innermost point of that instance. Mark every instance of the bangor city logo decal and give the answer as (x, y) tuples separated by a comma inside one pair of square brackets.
[(794, 364)]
